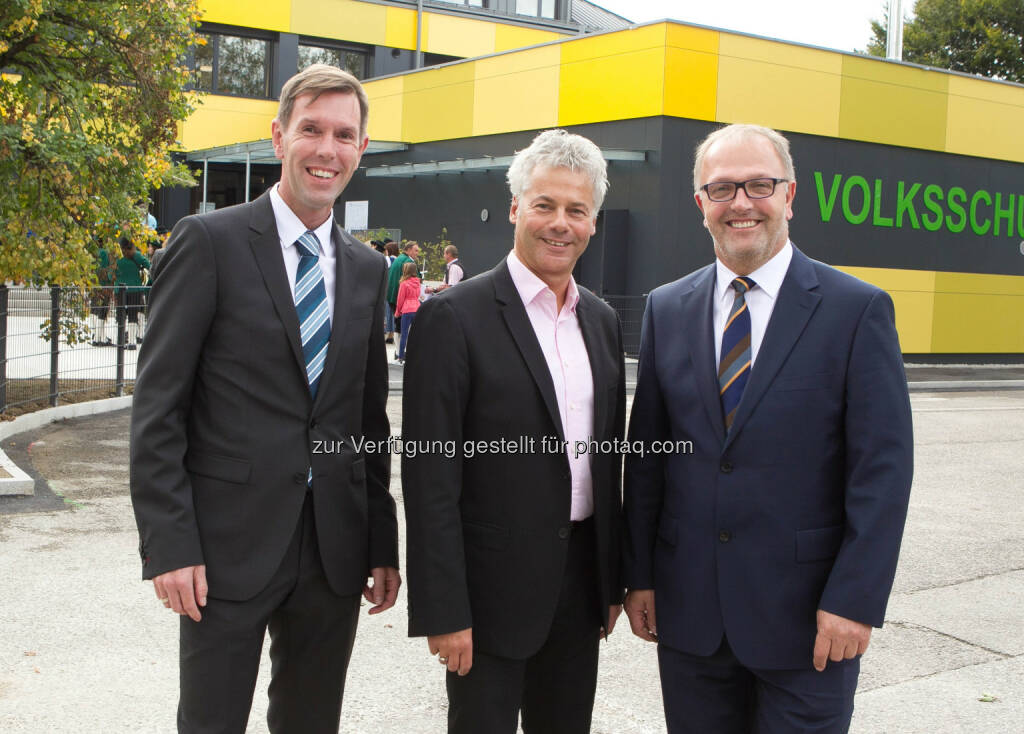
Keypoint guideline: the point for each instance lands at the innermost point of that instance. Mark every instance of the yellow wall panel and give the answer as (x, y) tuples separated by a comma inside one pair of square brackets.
[(273, 16), (607, 45), (439, 104), (453, 36), (615, 76), (612, 88), (980, 323), (980, 284), (893, 104), (985, 119), (516, 91), (691, 72), (227, 120), (779, 85), (347, 19), (689, 38), (508, 37), (386, 97), (401, 28), (913, 297)]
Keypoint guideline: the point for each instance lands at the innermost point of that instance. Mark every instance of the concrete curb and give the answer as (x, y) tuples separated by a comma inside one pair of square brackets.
[(21, 483), (926, 385)]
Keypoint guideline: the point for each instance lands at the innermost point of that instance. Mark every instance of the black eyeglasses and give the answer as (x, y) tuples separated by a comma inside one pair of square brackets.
[(756, 188)]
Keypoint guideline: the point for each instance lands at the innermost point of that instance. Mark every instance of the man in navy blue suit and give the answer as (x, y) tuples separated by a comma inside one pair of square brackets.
[(760, 559)]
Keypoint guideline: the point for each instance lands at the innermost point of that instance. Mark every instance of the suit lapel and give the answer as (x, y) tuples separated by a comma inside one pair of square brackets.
[(696, 310), (514, 313), (598, 366), (793, 309), (266, 248), (344, 275)]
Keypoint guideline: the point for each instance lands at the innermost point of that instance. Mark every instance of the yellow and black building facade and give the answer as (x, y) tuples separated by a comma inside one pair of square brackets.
[(910, 178)]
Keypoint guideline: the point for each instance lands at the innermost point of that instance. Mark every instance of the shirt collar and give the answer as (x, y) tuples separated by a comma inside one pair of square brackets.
[(290, 227), (768, 277), (530, 286)]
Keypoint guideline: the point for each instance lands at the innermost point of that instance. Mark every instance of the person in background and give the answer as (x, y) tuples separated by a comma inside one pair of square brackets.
[(130, 269), (410, 251), (390, 254), (407, 303), (101, 298), (453, 272)]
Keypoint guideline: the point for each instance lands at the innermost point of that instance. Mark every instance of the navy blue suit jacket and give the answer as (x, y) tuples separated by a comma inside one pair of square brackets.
[(802, 505)]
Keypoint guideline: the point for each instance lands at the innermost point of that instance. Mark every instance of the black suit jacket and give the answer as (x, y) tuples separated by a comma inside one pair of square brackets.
[(223, 424), (801, 507), (488, 529)]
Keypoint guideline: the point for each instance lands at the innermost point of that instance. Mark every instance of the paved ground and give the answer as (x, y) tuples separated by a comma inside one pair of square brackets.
[(85, 647)]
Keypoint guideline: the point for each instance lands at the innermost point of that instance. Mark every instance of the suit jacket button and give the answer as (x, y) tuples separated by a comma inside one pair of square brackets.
[(563, 533), (726, 467), (724, 536), (299, 478)]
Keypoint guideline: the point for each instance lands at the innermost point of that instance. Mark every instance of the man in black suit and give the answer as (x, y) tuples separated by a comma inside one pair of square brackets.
[(255, 508), (514, 379), (760, 560)]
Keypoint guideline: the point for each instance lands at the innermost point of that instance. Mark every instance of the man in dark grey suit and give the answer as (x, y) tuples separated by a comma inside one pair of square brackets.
[(264, 369), (513, 402)]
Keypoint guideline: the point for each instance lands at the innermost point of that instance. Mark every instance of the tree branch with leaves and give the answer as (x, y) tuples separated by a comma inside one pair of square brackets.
[(91, 98), (984, 37)]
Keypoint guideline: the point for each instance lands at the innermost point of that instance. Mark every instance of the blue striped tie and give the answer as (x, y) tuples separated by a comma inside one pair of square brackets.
[(311, 306), (734, 365)]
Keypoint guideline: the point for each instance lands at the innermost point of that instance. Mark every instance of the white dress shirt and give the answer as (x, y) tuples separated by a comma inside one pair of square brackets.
[(290, 228), (565, 352), (760, 300)]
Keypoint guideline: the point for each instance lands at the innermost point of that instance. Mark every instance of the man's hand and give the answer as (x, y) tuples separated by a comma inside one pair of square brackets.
[(838, 639), (183, 590), (613, 614), (640, 612), (384, 589), (454, 650)]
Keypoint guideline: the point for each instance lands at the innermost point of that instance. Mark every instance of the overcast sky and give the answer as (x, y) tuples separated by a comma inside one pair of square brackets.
[(843, 24)]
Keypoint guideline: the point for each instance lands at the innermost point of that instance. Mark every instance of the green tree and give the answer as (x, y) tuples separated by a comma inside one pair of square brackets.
[(90, 100), (983, 37)]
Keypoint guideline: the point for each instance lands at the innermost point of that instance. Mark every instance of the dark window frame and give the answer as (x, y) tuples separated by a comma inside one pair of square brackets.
[(214, 34), (335, 45)]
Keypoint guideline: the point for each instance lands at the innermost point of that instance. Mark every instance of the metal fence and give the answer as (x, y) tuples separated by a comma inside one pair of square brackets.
[(631, 313), (67, 344)]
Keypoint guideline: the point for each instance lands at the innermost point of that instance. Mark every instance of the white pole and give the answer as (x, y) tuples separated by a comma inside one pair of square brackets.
[(206, 176), (248, 154), (894, 33)]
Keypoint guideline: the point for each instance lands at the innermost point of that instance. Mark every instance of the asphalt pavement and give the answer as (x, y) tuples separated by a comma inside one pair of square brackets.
[(86, 647)]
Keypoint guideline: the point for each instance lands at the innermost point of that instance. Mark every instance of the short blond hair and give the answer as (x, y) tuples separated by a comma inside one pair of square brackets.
[(317, 79)]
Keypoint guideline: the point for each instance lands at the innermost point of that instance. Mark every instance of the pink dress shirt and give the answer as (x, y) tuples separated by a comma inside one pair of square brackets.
[(561, 340)]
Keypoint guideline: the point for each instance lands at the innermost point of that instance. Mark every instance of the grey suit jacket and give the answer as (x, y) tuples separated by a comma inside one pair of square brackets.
[(223, 425)]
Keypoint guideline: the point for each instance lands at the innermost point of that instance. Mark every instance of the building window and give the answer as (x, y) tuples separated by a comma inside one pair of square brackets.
[(352, 61), (470, 3), (536, 8), (233, 65)]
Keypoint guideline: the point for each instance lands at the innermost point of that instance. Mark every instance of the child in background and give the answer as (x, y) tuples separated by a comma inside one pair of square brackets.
[(406, 304)]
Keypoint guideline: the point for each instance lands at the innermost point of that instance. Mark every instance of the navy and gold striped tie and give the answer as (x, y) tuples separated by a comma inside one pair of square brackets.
[(734, 365), (311, 306)]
